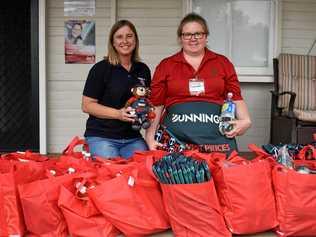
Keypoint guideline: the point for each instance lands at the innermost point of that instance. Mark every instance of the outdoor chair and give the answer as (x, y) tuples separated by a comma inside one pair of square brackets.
[(293, 105)]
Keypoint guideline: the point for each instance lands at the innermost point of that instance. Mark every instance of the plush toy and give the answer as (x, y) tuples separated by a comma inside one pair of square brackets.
[(143, 109)]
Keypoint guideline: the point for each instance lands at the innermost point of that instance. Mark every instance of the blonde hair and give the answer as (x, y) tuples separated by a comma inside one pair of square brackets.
[(192, 17), (113, 56)]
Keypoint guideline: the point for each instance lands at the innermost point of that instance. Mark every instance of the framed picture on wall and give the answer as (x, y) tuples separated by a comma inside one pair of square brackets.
[(79, 41)]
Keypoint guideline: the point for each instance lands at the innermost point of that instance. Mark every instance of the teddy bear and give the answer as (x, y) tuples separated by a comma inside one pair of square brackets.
[(143, 109)]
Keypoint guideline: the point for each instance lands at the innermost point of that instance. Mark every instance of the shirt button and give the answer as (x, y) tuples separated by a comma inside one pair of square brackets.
[(129, 75)]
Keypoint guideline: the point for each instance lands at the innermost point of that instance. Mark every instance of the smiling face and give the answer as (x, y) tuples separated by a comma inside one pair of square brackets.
[(124, 41), (76, 30), (193, 46)]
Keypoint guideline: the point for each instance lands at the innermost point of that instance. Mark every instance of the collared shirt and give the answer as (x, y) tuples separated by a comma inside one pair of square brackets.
[(170, 82), (111, 85)]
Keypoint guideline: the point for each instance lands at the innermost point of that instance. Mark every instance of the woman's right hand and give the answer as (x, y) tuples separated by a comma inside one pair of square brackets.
[(150, 132), (127, 114), (152, 144)]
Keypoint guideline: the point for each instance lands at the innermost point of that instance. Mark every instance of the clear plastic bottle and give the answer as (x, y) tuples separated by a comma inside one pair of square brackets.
[(284, 157), (228, 113)]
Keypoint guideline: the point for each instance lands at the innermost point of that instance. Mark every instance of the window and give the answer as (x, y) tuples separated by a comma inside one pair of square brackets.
[(242, 30)]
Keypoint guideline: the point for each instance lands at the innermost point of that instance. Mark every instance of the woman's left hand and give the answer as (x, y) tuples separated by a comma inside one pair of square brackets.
[(240, 127)]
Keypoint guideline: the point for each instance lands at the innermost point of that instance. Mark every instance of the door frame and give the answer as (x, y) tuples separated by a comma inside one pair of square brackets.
[(42, 76)]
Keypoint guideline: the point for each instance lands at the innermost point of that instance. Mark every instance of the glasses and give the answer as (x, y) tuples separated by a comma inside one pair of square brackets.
[(197, 35)]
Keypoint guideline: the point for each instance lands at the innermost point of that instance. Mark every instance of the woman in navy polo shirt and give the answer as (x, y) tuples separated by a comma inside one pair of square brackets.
[(109, 130), (189, 88)]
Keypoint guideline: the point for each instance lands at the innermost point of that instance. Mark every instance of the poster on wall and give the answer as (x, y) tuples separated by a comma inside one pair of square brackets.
[(79, 41), (79, 7)]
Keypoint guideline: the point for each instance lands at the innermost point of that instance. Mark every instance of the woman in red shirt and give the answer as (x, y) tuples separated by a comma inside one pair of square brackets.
[(189, 88)]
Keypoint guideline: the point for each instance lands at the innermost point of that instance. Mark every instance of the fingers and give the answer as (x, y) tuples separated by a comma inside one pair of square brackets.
[(154, 145), (235, 131), (127, 114), (240, 127), (129, 110), (233, 122), (231, 134)]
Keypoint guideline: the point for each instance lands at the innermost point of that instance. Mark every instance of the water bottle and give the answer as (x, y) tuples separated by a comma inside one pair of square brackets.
[(284, 157), (228, 113)]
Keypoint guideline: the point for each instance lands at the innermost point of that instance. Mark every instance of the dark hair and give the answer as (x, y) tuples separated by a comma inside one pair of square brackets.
[(112, 54), (192, 17), (77, 23)]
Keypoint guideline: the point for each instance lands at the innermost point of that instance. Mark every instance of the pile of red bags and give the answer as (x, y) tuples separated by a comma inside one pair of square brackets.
[(76, 195)]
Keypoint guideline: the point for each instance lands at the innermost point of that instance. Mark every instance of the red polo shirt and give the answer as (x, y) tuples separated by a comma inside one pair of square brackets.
[(170, 82)]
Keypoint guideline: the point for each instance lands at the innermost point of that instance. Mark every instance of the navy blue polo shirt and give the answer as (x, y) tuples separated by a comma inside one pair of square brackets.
[(111, 85)]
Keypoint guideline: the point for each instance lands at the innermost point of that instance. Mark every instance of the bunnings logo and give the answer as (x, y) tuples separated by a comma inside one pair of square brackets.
[(195, 118)]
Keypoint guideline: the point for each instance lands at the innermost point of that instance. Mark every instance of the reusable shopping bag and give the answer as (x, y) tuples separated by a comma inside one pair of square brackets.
[(82, 217), (246, 194), (193, 209), (39, 202), (11, 216), (133, 205), (296, 202)]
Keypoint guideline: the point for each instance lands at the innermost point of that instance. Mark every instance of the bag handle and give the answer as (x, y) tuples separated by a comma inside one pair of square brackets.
[(257, 150), (235, 158), (261, 154), (308, 152), (69, 150)]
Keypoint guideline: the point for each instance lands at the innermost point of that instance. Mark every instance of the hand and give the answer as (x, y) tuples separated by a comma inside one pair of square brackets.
[(240, 127), (127, 114), (153, 144)]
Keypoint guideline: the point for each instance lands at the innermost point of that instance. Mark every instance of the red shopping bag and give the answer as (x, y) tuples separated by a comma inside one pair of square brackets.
[(132, 205), (193, 210), (296, 202), (15, 172), (82, 217), (246, 194), (39, 202), (11, 216)]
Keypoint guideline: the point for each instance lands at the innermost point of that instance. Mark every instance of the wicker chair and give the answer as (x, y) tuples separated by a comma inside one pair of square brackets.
[(293, 105)]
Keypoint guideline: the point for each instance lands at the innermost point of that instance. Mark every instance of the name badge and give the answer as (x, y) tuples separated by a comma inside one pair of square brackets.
[(196, 86)]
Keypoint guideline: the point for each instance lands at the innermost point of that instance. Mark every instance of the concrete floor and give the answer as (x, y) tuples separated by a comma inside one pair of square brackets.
[(265, 234)]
